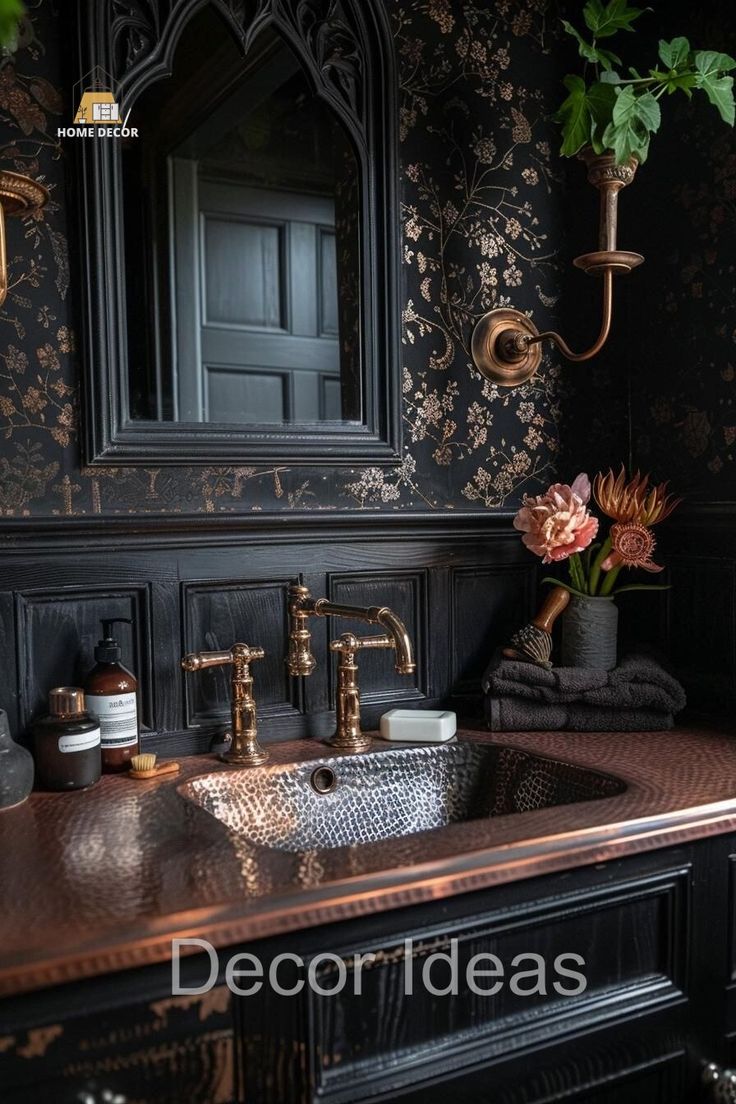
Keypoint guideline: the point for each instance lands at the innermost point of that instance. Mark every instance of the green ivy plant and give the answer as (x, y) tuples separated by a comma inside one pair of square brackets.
[(11, 13), (620, 114)]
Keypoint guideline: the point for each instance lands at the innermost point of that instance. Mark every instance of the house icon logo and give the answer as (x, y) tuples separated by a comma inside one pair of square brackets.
[(99, 112), (97, 106)]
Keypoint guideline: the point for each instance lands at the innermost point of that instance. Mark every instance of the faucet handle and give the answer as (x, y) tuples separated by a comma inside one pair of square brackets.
[(349, 642), (198, 661), (244, 750)]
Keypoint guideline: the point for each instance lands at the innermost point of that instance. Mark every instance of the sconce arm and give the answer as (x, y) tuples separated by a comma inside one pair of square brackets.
[(521, 342)]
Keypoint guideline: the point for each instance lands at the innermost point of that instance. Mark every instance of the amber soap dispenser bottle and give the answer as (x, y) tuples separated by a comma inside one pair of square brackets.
[(112, 695)]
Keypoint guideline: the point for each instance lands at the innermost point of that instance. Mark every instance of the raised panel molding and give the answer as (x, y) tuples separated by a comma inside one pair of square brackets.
[(633, 935), (57, 631), (195, 584), (215, 615), (487, 604), (405, 592)]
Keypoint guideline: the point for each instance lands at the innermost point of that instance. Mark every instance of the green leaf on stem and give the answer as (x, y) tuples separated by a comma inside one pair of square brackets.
[(574, 114), (589, 51), (675, 53), (640, 586), (605, 20), (634, 118), (601, 98), (11, 13), (711, 68), (565, 586)]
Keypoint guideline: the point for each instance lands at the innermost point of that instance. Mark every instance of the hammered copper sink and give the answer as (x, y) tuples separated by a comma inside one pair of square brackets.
[(143, 863), (341, 801)]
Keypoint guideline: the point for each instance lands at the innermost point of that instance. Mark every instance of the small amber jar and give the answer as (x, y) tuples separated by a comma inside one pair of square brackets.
[(67, 743)]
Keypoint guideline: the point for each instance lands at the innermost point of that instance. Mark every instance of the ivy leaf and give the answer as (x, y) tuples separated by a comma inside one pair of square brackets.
[(606, 20), (647, 112), (634, 118), (591, 53), (601, 98), (11, 13), (711, 67), (574, 115), (675, 53)]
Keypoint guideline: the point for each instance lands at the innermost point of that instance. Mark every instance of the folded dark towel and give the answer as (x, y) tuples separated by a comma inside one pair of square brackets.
[(518, 715), (638, 695), (639, 682)]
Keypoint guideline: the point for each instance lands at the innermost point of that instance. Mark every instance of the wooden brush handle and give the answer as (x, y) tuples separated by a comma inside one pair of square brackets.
[(551, 608), (154, 772)]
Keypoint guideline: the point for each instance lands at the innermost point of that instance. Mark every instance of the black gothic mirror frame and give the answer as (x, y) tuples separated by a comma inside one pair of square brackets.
[(346, 48)]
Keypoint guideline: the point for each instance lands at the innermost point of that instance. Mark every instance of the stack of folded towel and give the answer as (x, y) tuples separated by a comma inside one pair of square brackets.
[(637, 696)]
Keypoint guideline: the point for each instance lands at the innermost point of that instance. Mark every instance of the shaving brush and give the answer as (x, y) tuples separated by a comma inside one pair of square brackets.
[(533, 643)]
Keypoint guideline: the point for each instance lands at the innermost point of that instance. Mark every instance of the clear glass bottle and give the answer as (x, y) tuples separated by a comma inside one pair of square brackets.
[(67, 743)]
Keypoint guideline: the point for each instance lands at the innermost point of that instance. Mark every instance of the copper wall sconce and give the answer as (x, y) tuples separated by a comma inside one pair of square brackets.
[(506, 345), (19, 196)]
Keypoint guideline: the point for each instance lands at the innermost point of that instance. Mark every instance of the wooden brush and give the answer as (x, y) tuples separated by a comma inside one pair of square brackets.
[(533, 643), (144, 766)]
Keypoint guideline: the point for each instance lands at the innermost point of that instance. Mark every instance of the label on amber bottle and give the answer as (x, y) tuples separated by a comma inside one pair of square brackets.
[(79, 741), (118, 716)]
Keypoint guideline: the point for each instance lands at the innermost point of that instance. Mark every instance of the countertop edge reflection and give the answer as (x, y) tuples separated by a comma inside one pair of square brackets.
[(144, 865)]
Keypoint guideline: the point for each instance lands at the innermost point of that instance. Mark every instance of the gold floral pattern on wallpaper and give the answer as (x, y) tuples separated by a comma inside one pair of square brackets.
[(480, 183)]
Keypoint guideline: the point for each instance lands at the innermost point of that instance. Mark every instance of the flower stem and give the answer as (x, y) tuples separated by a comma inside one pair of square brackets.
[(595, 571), (610, 579), (577, 574)]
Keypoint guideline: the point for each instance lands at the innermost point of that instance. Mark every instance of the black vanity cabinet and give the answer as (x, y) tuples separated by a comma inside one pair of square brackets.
[(657, 932)]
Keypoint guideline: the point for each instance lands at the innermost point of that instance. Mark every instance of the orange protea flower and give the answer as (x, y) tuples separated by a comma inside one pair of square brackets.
[(635, 500), (633, 546)]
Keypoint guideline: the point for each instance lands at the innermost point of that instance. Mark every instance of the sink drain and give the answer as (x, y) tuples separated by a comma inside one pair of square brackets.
[(323, 780)]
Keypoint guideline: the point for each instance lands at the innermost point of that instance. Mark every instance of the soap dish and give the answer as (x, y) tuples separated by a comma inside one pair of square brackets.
[(419, 726)]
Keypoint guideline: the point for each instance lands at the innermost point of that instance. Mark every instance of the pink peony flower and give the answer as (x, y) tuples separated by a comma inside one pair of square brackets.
[(557, 524)]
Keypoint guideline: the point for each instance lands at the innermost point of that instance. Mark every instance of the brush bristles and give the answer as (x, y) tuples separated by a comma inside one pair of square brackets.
[(533, 644), (143, 762)]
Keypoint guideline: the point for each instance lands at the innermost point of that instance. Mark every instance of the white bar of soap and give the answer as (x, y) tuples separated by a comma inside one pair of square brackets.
[(419, 726)]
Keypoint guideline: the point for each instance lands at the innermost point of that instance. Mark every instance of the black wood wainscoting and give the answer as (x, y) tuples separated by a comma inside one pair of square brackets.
[(460, 584)]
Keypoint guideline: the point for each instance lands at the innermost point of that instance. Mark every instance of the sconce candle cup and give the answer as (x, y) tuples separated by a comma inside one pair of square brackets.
[(559, 526), (19, 196)]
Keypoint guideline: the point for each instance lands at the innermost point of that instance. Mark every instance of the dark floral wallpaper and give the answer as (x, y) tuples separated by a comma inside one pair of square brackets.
[(480, 188), (485, 203)]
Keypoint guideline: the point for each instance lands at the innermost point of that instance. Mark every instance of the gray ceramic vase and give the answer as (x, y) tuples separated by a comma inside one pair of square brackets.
[(590, 633), (16, 768)]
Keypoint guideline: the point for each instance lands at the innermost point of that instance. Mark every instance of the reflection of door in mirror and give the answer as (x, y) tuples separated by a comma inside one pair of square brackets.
[(246, 188)]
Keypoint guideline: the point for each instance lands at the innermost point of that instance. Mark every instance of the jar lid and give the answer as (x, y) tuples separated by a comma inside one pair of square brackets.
[(66, 699)]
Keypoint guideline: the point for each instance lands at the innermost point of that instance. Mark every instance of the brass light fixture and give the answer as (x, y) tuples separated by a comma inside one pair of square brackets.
[(19, 196), (506, 345)]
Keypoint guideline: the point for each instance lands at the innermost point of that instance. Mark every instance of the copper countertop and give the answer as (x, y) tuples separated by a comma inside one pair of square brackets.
[(118, 871)]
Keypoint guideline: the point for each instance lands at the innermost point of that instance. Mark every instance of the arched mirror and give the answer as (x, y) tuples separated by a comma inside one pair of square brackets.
[(242, 245)]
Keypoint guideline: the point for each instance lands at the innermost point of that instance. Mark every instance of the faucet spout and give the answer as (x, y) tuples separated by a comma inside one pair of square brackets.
[(300, 660), (373, 615), (396, 629)]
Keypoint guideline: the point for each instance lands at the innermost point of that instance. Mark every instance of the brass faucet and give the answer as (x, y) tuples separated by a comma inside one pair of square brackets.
[(244, 751), (300, 661)]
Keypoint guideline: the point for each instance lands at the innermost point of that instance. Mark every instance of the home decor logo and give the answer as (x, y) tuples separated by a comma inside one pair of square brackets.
[(100, 113)]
